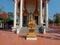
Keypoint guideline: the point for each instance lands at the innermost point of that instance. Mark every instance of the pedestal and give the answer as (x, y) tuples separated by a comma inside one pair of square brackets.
[(31, 36)]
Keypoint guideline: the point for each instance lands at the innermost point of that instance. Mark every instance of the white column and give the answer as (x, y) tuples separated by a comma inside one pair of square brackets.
[(21, 16), (21, 13), (15, 13), (46, 14), (41, 19)]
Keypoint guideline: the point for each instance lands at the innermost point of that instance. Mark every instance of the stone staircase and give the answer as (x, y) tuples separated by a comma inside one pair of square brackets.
[(25, 30)]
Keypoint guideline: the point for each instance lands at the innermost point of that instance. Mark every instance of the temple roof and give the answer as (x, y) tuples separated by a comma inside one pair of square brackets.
[(33, 0), (31, 5)]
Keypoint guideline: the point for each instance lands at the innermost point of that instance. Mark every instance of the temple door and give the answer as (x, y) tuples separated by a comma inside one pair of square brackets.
[(24, 21), (36, 19)]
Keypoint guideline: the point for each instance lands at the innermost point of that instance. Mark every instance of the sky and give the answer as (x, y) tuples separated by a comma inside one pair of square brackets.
[(54, 6)]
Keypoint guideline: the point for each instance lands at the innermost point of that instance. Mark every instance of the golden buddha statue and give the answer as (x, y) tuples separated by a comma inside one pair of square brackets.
[(31, 27)]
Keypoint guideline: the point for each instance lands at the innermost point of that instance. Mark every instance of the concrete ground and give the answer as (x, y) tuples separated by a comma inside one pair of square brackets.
[(10, 38)]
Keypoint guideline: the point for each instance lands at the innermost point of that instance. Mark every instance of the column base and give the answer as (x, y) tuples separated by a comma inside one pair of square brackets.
[(44, 30), (47, 29), (18, 30), (13, 29)]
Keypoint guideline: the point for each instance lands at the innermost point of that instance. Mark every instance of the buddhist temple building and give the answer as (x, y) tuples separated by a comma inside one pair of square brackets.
[(23, 8)]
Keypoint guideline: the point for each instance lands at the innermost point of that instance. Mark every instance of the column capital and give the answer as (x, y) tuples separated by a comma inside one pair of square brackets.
[(15, 1)]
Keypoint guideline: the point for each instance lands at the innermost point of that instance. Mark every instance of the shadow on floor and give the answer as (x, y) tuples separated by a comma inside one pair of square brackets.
[(54, 34), (52, 37), (9, 30), (54, 31), (23, 36)]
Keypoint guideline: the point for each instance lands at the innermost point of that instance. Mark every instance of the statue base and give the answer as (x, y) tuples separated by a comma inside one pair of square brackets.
[(31, 36), (31, 39)]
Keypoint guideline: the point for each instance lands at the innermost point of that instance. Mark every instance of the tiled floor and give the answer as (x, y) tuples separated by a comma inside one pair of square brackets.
[(9, 38)]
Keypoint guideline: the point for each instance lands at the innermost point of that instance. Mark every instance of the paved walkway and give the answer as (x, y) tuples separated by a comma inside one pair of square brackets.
[(9, 38)]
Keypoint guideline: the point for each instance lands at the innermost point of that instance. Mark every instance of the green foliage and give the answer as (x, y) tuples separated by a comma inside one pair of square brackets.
[(10, 14), (51, 21), (5, 20), (57, 18)]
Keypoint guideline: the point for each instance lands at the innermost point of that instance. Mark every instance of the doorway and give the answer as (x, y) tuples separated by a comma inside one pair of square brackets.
[(24, 21), (36, 20)]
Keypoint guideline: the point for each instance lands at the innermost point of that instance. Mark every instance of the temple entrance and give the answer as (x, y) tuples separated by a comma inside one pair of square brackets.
[(36, 19), (24, 21)]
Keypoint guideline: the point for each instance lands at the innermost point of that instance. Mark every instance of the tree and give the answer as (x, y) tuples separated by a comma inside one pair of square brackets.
[(5, 19), (51, 21), (10, 15), (57, 19), (1, 10)]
